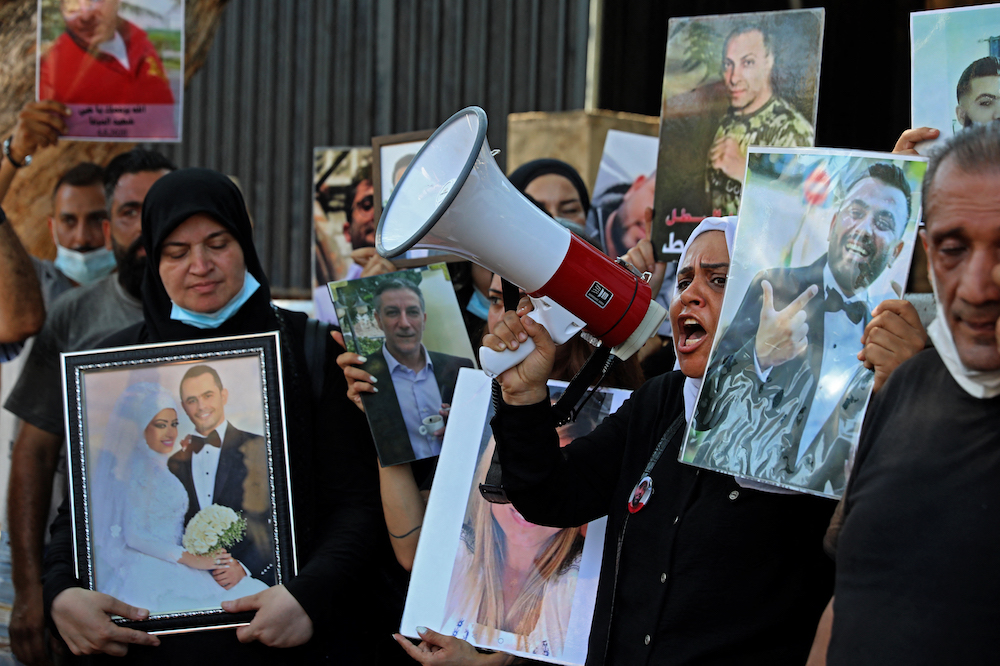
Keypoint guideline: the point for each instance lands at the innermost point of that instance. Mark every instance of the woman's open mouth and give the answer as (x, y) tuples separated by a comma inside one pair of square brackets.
[(691, 334)]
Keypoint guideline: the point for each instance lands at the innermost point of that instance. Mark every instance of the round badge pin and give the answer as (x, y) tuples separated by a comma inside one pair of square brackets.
[(640, 494)]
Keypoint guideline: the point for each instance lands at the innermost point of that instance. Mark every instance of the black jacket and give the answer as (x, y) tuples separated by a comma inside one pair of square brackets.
[(709, 572), (239, 449)]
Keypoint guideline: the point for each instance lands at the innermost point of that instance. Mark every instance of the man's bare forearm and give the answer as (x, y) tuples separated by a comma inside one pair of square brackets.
[(22, 311), (7, 172), (32, 468), (817, 655)]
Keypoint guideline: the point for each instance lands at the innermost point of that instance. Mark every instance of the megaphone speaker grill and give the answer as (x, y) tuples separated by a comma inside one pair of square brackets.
[(453, 197)]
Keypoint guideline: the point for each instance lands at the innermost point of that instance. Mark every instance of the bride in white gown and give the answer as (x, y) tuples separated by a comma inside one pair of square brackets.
[(138, 509)]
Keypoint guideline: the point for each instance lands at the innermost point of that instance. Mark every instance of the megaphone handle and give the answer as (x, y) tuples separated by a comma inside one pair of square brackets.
[(496, 363)]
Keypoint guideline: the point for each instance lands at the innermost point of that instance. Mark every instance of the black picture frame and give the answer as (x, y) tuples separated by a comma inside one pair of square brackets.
[(86, 377)]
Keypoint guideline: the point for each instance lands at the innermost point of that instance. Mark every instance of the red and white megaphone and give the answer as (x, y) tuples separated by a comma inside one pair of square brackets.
[(453, 197)]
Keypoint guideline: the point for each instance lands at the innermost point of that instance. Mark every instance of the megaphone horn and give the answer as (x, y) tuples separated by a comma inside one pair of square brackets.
[(453, 197)]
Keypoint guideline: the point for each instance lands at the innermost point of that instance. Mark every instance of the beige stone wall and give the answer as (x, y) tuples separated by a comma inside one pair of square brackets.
[(576, 137)]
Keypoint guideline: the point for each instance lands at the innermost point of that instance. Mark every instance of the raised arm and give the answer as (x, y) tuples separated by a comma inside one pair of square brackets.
[(39, 124), (907, 142), (548, 485), (22, 311), (33, 465), (403, 503), (892, 336), (525, 383)]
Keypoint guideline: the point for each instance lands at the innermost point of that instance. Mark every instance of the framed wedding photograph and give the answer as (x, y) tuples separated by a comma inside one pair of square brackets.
[(179, 481)]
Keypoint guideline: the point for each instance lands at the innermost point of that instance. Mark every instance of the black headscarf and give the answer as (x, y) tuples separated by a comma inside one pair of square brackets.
[(172, 200), (526, 173)]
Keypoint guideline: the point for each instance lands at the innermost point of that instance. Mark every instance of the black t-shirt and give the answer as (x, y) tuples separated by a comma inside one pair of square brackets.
[(918, 552)]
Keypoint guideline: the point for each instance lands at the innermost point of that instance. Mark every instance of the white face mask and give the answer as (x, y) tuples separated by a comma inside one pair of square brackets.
[(84, 267), (977, 383), (204, 320)]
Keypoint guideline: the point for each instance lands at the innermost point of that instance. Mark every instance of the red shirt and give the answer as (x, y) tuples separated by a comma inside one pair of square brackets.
[(72, 75)]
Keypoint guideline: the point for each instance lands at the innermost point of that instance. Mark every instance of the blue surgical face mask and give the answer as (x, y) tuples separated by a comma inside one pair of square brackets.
[(84, 267), (217, 318), (478, 305)]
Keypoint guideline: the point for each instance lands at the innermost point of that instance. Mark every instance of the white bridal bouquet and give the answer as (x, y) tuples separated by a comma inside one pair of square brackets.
[(213, 528)]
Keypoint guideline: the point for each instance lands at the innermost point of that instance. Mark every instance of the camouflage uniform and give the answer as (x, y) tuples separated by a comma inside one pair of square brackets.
[(774, 124)]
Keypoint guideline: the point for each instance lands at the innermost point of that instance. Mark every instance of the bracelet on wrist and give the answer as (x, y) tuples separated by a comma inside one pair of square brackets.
[(6, 151)]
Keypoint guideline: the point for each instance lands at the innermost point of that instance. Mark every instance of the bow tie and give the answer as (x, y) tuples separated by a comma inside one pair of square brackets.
[(855, 311), (198, 443)]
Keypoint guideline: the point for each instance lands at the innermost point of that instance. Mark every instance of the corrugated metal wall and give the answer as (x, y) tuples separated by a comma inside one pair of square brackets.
[(286, 76)]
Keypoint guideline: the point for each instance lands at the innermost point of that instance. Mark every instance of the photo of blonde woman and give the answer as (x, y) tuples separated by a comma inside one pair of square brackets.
[(513, 583)]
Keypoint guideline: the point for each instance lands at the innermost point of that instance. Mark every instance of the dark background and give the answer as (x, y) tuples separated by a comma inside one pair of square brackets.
[(283, 78), (864, 92)]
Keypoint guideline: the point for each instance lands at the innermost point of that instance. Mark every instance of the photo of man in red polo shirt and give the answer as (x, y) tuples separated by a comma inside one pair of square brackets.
[(108, 70)]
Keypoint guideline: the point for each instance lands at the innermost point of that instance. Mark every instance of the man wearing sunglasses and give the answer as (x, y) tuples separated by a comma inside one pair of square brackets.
[(359, 228), (359, 231)]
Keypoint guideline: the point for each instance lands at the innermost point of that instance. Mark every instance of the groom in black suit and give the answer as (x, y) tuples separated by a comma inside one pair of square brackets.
[(793, 343), (226, 466)]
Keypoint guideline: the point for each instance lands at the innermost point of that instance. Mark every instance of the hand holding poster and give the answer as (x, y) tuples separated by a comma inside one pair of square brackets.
[(118, 67), (469, 547), (824, 237), (409, 329), (146, 426), (729, 82), (955, 75)]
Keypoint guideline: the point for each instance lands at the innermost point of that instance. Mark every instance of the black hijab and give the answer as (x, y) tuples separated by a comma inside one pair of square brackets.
[(171, 201), (526, 173)]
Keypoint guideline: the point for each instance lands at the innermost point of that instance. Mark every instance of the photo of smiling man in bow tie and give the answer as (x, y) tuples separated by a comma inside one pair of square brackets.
[(789, 380), (224, 465)]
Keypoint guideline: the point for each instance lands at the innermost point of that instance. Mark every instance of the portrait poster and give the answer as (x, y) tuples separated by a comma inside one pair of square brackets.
[(729, 82), (118, 66), (954, 69), (343, 219), (623, 190), (451, 590), (143, 424), (824, 236), (628, 167), (409, 328)]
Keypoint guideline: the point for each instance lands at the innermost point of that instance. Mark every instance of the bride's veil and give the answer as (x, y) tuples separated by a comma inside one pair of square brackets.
[(124, 435)]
